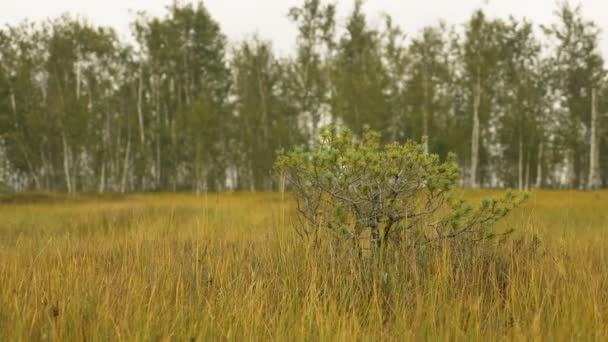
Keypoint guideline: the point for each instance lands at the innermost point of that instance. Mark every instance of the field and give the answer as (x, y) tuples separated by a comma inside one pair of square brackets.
[(178, 267)]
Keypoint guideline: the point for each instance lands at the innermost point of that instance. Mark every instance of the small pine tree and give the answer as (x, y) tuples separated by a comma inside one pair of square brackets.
[(354, 189)]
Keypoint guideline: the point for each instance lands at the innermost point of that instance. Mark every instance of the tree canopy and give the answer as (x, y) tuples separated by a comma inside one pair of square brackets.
[(183, 109)]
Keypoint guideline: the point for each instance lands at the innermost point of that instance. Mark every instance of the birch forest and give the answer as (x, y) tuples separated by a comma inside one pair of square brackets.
[(180, 108)]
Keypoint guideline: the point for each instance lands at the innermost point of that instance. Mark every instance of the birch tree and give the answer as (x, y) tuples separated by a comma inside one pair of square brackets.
[(308, 81), (428, 91), (266, 120), (523, 99), (360, 76), (481, 48), (578, 75)]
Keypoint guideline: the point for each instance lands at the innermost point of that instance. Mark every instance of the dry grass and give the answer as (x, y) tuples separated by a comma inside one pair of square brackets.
[(171, 267)]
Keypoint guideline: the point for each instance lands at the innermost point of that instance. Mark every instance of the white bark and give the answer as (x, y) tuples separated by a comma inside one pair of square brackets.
[(102, 178), (570, 175), (30, 167), (171, 117), (594, 181), (527, 183), (158, 136), (158, 162), (262, 94), (140, 114), (14, 105), (66, 164), (520, 165), (475, 134), (539, 167), (25, 153), (78, 76), (125, 170), (425, 118)]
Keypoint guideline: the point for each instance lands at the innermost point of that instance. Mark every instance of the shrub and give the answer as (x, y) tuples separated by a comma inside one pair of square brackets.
[(356, 189)]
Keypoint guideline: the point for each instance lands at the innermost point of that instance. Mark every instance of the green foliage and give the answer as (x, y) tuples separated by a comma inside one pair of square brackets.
[(307, 77), (357, 188), (82, 110), (577, 69), (266, 120), (187, 86), (430, 89), (360, 77)]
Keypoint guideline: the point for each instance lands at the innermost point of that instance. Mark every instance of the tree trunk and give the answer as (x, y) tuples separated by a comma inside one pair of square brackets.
[(594, 181), (196, 168), (14, 105), (158, 136), (140, 114), (32, 172), (475, 134), (376, 241), (425, 118), (539, 167), (102, 178), (171, 115), (78, 74), (520, 164), (196, 185), (158, 163), (30, 167), (260, 178), (66, 164), (570, 174), (527, 182), (125, 170), (44, 174)]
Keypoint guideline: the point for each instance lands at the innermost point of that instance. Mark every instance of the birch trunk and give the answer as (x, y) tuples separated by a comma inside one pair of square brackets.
[(539, 167), (102, 178), (140, 114), (158, 163), (570, 174), (475, 134), (158, 136), (14, 105), (196, 186), (66, 164), (520, 165), (125, 170), (527, 182), (425, 118), (260, 181), (594, 155), (78, 75), (197, 170), (25, 153), (45, 170), (30, 166), (171, 114)]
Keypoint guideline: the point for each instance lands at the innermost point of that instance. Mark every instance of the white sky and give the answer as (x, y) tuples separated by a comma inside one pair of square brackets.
[(240, 18)]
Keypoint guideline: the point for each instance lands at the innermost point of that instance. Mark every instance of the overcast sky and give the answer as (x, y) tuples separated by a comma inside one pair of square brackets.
[(240, 18)]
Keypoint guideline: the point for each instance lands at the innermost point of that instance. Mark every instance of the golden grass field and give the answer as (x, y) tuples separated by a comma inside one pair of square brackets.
[(229, 267)]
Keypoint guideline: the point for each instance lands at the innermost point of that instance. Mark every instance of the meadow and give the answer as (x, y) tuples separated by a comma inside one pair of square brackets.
[(229, 267)]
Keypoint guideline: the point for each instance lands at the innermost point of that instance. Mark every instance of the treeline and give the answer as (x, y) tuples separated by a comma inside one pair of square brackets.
[(182, 110)]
